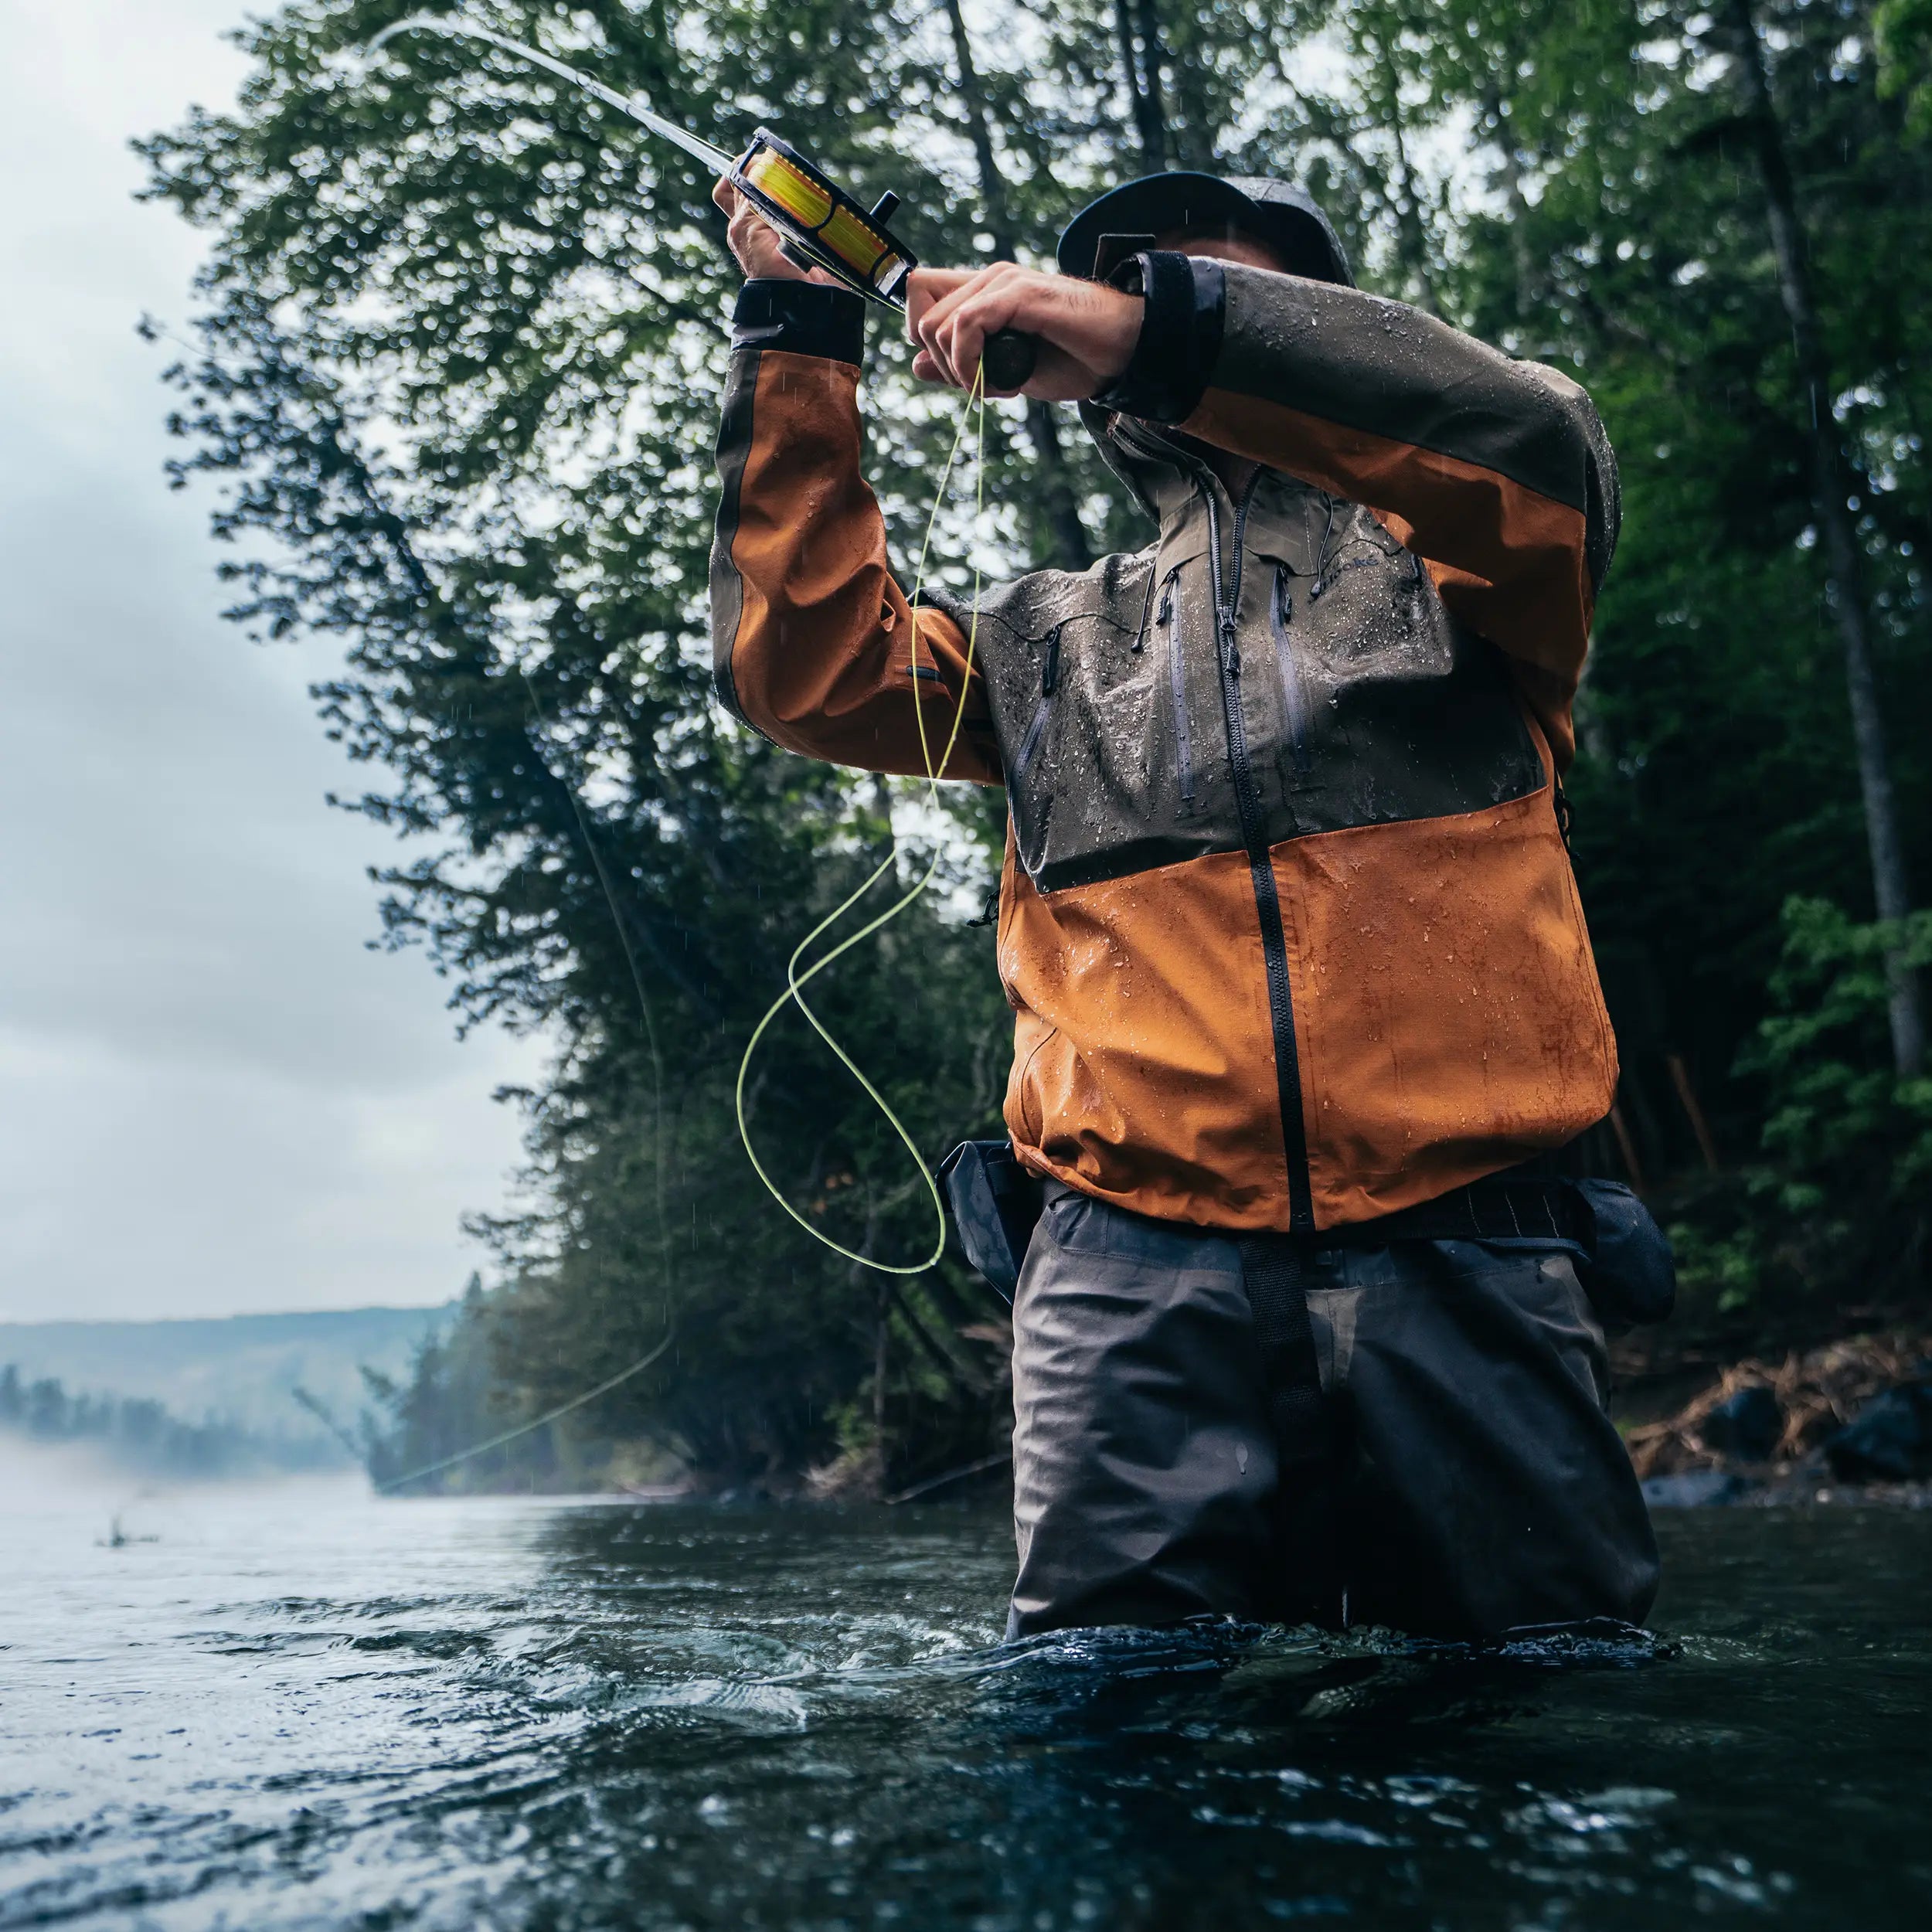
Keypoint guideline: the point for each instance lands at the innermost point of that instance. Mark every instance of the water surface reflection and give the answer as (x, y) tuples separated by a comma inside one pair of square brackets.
[(316, 1710)]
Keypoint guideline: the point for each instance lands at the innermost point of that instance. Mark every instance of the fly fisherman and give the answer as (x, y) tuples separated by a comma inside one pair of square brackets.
[(1304, 1001)]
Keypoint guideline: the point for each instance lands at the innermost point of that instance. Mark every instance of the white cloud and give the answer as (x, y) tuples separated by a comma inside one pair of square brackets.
[(213, 1097)]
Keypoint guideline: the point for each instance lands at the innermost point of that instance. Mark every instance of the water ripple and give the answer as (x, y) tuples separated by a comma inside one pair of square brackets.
[(436, 1715)]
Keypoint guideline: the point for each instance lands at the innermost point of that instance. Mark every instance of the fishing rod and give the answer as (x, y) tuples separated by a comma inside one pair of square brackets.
[(820, 226)]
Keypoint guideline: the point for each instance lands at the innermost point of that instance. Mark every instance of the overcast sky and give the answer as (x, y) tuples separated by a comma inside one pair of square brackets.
[(212, 1098)]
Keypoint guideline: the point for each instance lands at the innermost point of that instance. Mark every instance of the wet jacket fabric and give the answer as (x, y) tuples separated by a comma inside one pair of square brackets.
[(1286, 919)]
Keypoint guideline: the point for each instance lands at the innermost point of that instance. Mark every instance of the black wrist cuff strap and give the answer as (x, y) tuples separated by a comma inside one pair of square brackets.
[(1180, 336), (805, 318)]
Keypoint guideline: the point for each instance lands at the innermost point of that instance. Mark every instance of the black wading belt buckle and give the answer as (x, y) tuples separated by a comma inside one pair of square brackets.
[(1273, 1272), (995, 1203)]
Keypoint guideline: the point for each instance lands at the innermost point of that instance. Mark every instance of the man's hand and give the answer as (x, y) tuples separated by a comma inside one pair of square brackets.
[(756, 242), (1087, 330)]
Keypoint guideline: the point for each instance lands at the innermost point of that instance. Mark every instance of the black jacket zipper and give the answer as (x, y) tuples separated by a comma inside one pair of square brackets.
[(1169, 617), (1267, 898)]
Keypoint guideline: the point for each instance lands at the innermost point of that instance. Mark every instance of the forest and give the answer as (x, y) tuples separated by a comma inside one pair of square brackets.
[(462, 341)]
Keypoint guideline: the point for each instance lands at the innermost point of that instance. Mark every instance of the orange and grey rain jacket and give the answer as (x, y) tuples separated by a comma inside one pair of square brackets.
[(1287, 920)]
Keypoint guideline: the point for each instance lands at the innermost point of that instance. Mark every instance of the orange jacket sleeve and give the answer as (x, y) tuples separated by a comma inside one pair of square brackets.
[(812, 639)]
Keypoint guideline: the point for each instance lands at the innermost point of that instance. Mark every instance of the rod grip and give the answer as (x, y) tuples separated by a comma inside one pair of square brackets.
[(1007, 358)]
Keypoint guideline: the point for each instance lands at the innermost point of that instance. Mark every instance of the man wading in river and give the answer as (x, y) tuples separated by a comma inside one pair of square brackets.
[(1302, 985)]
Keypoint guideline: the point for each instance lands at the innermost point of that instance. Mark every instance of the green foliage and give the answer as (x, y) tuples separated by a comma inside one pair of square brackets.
[(466, 343), (1904, 39), (1841, 1128), (456, 1424), (1836, 1206)]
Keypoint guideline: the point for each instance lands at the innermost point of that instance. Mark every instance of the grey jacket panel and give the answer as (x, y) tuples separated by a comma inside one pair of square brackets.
[(1363, 702)]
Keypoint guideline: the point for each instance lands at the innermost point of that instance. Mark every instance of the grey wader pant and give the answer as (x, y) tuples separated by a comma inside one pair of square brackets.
[(1471, 1481)]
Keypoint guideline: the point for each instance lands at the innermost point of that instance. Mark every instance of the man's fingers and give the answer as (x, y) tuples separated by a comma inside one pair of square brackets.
[(932, 303), (995, 301), (1086, 334), (933, 344), (926, 287), (757, 245), (954, 321)]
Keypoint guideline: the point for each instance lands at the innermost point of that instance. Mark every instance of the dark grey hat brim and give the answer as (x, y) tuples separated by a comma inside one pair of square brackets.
[(1281, 216)]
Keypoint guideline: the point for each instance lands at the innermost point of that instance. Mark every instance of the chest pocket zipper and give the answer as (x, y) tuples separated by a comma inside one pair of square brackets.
[(1168, 617), (1050, 678), (1294, 699)]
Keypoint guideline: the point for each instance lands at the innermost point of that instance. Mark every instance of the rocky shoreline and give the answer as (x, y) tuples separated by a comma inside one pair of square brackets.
[(1849, 1423)]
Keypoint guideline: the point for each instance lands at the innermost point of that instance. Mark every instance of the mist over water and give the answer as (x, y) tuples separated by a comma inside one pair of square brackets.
[(301, 1707), (50, 1492)]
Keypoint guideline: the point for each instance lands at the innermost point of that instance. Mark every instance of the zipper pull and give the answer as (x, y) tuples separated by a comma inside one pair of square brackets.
[(1230, 650), (1166, 610), (1284, 596), (1049, 676)]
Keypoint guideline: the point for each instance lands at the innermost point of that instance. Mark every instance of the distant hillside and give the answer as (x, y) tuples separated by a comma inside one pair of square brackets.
[(242, 1368)]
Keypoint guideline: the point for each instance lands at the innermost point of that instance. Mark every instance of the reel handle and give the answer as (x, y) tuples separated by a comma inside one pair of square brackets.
[(1007, 358)]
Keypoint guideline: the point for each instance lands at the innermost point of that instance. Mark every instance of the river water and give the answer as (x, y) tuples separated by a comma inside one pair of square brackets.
[(306, 1709)]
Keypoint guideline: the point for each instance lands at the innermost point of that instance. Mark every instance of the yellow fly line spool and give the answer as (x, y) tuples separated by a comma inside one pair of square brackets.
[(802, 198), (974, 410), (821, 218)]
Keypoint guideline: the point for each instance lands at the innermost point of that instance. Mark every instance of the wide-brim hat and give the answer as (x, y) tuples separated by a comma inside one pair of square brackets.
[(1283, 216)]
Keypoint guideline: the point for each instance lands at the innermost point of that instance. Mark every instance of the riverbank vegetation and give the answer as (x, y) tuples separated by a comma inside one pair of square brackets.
[(138, 1437), (465, 336)]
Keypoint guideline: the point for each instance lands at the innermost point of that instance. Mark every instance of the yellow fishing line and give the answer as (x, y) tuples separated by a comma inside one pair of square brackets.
[(974, 411), (802, 198)]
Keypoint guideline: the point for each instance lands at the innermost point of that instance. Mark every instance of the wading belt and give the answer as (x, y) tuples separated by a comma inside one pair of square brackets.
[(1528, 1204), (1522, 1204)]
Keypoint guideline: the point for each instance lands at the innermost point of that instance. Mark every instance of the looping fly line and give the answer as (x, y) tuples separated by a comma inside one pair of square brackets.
[(972, 410)]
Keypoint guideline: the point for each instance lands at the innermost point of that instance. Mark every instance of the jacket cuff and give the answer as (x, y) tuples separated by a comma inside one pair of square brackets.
[(806, 318), (1180, 338)]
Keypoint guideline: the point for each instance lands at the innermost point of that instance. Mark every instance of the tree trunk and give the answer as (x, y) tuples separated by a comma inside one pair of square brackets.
[(1143, 84), (1199, 101), (1831, 487), (1153, 61), (1531, 290), (1071, 549), (1412, 238)]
